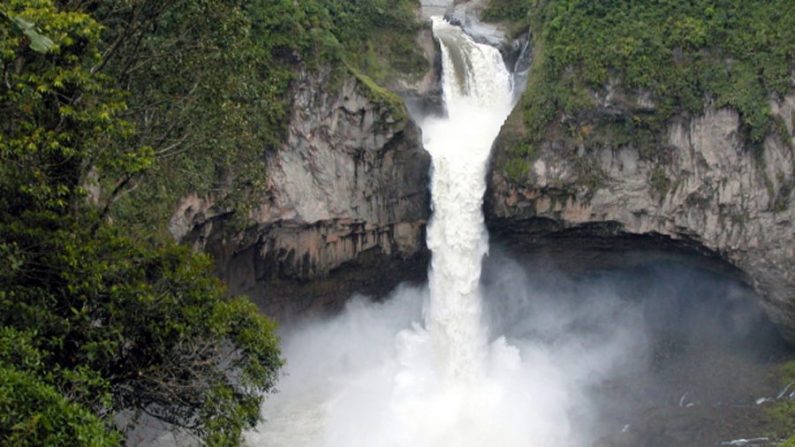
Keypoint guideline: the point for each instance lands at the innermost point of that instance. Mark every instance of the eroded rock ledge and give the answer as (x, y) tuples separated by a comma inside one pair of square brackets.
[(707, 190), (349, 187)]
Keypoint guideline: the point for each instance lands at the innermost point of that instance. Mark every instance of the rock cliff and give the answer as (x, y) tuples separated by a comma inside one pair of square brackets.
[(702, 186), (346, 203)]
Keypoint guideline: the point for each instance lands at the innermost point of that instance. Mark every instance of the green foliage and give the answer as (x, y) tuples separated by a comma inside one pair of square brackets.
[(93, 322), (38, 42), (516, 169), (522, 155), (209, 82), (126, 326), (112, 110), (787, 372), (781, 415), (381, 95), (687, 54), (660, 182), (683, 52), (57, 113), (33, 413), (505, 10), (378, 36)]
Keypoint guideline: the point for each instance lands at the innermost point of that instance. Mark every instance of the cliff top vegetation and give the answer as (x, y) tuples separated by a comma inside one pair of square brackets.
[(686, 55)]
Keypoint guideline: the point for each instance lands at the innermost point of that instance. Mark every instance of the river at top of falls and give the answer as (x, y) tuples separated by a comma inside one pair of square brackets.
[(375, 376)]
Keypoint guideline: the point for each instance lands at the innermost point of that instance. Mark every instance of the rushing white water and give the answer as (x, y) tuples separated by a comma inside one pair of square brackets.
[(477, 92), (421, 369), (375, 376)]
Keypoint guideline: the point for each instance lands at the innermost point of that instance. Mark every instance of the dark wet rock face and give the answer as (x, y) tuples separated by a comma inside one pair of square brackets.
[(287, 296), (703, 187), (349, 187)]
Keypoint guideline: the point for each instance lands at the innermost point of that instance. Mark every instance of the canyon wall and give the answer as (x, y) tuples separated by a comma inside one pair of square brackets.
[(704, 187), (345, 205)]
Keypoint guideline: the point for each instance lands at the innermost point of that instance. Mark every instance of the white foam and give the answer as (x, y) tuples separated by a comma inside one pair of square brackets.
[(419, 370)]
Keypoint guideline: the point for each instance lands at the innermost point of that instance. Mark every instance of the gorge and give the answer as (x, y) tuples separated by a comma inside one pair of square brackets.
[(442, 372), (393, 223), (522, 357), (363, 200)]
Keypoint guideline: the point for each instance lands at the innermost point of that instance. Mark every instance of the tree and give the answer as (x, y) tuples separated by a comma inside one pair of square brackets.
[(33, 412), (112, 109), (93, 321)]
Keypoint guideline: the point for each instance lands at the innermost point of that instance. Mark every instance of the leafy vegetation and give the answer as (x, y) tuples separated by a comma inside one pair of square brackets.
[(35, 414), (505, 10), (781, 414), (112, 110), (516, 169), (93, 322), (686, 54), (378, 36), (660, 182), (208, 86)]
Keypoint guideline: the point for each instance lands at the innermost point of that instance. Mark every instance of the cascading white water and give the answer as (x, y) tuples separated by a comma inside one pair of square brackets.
[(373, 376), (477, 92), (365, 380)]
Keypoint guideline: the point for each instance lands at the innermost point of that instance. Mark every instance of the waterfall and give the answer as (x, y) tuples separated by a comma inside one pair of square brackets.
[(526, 357), (477, 92), (375, 376)]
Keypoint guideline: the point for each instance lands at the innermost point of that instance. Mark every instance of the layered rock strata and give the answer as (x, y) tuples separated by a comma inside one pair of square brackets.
[(348, 187), (703, 187)]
